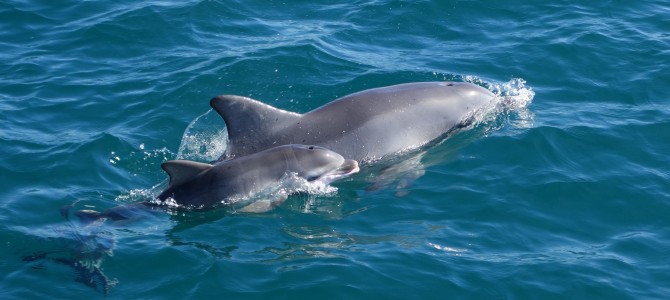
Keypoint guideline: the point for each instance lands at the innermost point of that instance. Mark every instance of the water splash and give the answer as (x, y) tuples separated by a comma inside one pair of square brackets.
[(514, 93), (290, 184), (138, 195), (205, 138), (509, 107)]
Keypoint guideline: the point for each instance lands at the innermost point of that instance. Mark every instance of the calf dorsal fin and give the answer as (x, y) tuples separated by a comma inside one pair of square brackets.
[(181, 171)]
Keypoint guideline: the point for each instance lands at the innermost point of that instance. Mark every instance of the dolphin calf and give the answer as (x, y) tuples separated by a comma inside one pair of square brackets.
[(201, 185), (363, 126)]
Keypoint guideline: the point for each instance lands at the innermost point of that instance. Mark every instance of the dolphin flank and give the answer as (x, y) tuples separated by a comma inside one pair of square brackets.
[(363, 126)]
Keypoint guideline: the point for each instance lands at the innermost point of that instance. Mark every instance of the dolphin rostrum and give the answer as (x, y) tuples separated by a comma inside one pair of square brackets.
[(363, 126)]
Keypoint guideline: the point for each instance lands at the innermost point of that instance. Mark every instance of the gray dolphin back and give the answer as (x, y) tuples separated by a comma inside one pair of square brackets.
[(363, 126)]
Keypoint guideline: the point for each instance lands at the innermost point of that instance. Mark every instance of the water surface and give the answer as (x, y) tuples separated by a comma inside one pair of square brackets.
[(563, 196)]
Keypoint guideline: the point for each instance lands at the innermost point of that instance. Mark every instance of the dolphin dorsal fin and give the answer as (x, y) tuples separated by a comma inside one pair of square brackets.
[(181, 171), (250, 123)]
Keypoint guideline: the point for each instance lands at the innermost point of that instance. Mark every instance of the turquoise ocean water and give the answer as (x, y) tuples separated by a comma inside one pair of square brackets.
[(562, 193)]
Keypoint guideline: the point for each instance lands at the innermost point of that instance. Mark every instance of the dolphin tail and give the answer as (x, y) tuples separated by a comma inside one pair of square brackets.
[(250, 123)]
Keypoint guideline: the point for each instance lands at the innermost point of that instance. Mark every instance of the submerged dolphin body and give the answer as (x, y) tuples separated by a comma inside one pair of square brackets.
[(201, 185), (363, 126)]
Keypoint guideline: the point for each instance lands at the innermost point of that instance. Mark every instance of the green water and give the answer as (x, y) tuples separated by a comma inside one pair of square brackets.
[(565, 194)]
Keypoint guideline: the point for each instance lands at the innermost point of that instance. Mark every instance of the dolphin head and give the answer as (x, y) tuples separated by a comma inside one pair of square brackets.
[(318, 163)]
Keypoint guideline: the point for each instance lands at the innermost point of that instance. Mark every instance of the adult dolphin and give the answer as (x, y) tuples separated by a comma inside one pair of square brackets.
[(363, 126), (198, 185)]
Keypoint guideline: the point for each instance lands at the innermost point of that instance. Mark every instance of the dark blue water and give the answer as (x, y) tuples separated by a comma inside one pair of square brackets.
[(563, 193)]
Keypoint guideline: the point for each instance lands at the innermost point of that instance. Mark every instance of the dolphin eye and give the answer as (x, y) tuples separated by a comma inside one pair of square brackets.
[(310, 147)]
